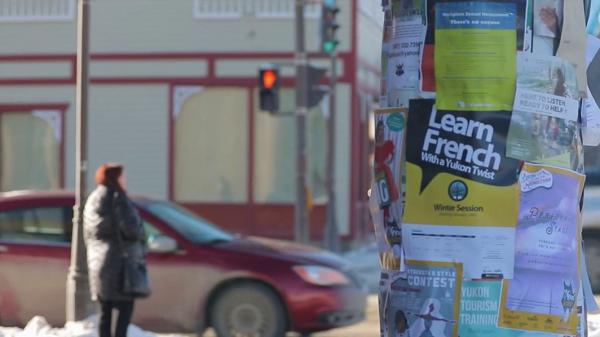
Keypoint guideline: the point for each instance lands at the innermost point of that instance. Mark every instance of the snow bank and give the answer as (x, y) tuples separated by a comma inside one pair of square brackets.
[(39, 327)]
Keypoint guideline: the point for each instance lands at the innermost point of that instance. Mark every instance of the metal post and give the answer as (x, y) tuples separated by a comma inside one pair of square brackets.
[(331, 234), (78, 292), (301, 227)]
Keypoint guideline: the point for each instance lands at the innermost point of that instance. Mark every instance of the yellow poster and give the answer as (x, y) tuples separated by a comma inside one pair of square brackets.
[(461, 193), (457, 173)]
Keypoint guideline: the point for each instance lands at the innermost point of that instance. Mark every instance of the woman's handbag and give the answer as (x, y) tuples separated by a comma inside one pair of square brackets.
[(135, 276)]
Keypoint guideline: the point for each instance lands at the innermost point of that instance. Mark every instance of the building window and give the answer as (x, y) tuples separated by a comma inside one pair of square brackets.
[(258, 8), (37, 10), (275, 154), (211, 146), (30, 150)]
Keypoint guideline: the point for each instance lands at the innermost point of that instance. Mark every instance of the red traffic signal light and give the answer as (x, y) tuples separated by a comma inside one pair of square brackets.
[(269, 78), (269, 82)]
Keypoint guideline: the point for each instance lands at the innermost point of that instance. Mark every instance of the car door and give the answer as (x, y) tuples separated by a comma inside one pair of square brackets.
[(175, 280), (34, 261)]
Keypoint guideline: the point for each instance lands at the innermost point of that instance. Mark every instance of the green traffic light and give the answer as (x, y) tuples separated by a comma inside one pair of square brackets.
[(329, 46)]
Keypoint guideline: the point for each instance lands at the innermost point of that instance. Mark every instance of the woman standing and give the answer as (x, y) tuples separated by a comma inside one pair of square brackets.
[(113, 231)]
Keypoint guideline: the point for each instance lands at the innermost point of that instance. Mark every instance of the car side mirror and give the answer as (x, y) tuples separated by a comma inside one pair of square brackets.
[(162, 244)]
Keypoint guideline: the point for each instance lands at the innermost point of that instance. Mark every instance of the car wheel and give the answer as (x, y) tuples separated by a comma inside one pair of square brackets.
[(592, 259), (248, 310)]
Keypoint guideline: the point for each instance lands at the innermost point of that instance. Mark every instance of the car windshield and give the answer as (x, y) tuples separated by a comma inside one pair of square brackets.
[(189, 225)]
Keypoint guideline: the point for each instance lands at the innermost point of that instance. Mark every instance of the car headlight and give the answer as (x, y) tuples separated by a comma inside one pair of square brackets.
[(322, 276)]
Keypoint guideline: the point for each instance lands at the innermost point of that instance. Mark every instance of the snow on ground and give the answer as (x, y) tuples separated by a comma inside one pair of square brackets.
[(38, 327)]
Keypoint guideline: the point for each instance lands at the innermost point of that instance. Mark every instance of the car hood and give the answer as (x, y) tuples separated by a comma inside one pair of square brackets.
[(285, 250)]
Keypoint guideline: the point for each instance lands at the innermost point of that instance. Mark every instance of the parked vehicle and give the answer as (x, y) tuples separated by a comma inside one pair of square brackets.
[(201, 276)]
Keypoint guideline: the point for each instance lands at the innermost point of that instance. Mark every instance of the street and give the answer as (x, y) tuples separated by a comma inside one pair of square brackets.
[(367, 328)]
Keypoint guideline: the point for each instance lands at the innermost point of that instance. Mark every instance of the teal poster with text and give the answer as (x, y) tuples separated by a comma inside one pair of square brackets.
[(479, 312)]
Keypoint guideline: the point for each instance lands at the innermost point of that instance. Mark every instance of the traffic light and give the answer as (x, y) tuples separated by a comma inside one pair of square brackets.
[(315, 90), (269, 82), (329, 27)]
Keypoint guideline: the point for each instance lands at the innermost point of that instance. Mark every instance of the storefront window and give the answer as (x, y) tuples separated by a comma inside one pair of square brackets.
[(30, 150), (275, 153), (211, 146)]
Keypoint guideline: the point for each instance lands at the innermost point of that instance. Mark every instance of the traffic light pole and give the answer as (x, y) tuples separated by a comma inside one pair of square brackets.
[(78, 292), (331, 234), (301, 227)]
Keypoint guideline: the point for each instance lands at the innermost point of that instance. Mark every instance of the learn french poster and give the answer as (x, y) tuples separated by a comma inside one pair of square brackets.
[(457, 173), (461, 192)]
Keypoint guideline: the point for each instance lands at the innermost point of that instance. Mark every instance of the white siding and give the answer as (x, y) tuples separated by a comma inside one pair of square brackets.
[(130, 125), (121, 117), (37, 10), (342, 157), (135, 26), (370, 36)]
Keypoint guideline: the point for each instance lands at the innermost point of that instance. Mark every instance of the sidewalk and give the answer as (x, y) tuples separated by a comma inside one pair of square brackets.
[(37, 327)]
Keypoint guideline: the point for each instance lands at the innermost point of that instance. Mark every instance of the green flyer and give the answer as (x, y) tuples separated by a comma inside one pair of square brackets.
[(475, 60)]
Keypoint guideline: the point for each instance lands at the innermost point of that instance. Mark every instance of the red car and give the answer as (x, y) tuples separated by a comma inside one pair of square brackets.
[(201, 276)]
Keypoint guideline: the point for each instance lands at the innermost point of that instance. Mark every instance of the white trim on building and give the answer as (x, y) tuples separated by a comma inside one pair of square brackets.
[(233, 9), (37, 10)]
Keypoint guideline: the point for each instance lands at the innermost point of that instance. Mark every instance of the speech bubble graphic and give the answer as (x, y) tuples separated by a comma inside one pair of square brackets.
[(539, 179), (466, 144)]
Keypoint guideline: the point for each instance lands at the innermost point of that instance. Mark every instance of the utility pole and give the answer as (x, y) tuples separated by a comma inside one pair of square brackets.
[(331, 234), (301, 227), (78, 291)]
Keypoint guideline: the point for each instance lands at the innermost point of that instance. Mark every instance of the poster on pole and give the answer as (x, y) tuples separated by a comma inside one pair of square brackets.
[(572, 44), (475, 63), (384, 298), (390, 132), (387, 257), (479, 306), (542, 296), (461, 192), (547, 24), (425, 301), (404, 34), (543, 126)]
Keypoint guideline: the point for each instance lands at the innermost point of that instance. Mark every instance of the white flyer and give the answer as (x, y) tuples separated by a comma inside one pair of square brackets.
[(484, 251)]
